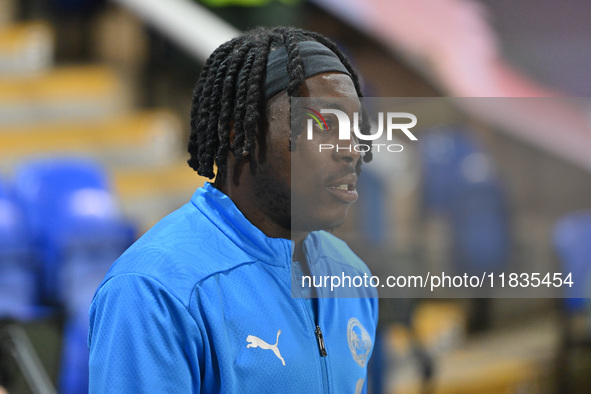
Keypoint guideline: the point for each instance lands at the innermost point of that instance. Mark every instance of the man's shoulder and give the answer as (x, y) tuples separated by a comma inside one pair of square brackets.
[(180, 251), (333, 258), (328, 246)]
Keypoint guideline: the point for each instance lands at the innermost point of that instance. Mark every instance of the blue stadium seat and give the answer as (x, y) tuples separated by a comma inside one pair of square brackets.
[(443, 151), (481, 229), (18, 267), (89, 235), (373, 208), (80, 233), (572, 241), (47, 189), (85, 247), (460, 183)]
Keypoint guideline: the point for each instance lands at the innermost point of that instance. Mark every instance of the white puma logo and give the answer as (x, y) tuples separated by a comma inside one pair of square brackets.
[(258, 342)]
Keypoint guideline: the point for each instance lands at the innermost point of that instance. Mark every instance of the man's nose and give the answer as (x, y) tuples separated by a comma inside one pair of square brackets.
[(347, 150)]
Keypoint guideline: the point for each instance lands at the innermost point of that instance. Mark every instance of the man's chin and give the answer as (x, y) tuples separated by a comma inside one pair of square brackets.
[(309, 226)]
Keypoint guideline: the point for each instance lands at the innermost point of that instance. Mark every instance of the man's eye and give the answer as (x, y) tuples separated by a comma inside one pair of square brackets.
[(323, 125)]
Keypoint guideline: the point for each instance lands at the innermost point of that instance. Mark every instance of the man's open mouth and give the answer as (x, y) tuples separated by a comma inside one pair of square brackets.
[(344, 188)]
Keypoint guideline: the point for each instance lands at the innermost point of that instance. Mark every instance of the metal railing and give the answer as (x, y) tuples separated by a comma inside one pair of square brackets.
[(186, 23)]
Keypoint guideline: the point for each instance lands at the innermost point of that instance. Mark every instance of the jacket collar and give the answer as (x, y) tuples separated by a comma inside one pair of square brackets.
[(221, 211)]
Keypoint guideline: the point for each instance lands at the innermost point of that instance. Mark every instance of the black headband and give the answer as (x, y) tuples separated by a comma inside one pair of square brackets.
[(317, 59)]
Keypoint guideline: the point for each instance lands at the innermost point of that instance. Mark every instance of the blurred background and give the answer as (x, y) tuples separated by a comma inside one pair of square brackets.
[(94, 107)]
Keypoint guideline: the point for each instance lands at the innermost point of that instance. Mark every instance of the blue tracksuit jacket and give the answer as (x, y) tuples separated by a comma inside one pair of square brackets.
[(202, 303)]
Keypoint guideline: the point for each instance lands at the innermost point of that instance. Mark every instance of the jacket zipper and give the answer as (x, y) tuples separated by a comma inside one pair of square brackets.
[(318, 334), (320, 339)]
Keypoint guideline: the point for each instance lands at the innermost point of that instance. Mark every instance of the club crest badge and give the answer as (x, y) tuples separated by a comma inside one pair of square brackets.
[(359, 341)]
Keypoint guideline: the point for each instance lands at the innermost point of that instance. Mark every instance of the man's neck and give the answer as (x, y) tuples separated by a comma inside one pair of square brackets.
[(241, 198)]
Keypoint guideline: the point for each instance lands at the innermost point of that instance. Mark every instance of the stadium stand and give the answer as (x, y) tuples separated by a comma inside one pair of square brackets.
[(69, 92), (26, 48), (67, 134), (149, 138)]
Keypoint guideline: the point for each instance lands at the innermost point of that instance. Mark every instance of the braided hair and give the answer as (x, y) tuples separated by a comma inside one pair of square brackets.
[(229, 95)]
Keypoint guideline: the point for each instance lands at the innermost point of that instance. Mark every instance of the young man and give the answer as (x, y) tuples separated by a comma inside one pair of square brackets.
[(203, 301)]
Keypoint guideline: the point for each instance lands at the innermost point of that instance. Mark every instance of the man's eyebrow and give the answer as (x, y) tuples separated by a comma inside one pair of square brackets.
[(331, 104)]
